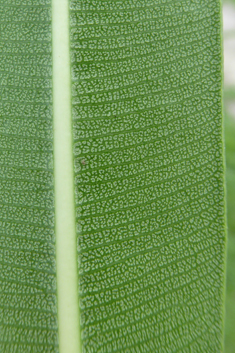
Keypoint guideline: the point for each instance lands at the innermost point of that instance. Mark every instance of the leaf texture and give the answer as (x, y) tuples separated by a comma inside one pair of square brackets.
[(28, 319), (148, 174), (146, 85)]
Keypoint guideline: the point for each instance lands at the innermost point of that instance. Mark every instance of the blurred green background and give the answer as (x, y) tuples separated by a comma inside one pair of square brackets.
[(229, 110)]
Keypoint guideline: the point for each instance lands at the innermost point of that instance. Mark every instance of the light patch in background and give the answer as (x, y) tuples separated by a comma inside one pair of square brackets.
[(231, 108), (229, 49), (229, 62), (229, 17), (229, 124)]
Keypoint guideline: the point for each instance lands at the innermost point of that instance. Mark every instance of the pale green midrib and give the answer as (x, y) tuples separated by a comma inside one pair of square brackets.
[(66, 257)]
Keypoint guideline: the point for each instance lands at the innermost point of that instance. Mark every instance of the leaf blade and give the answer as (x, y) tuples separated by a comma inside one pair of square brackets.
[(146, 81), (28, 270)]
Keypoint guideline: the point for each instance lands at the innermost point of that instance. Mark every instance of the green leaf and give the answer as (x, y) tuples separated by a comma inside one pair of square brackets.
[(143, 188), (28, 320)]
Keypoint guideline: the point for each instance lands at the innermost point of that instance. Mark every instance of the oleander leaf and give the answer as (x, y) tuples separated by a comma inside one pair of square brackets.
[(146, 87), (28, 320)]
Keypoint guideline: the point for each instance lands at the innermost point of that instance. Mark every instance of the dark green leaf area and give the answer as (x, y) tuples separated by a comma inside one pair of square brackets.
[(28, 315), (146, 87)]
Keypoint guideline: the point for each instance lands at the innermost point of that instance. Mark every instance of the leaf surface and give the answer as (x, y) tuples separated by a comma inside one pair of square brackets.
[(28, 320), (146, 83), (148, 176)]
